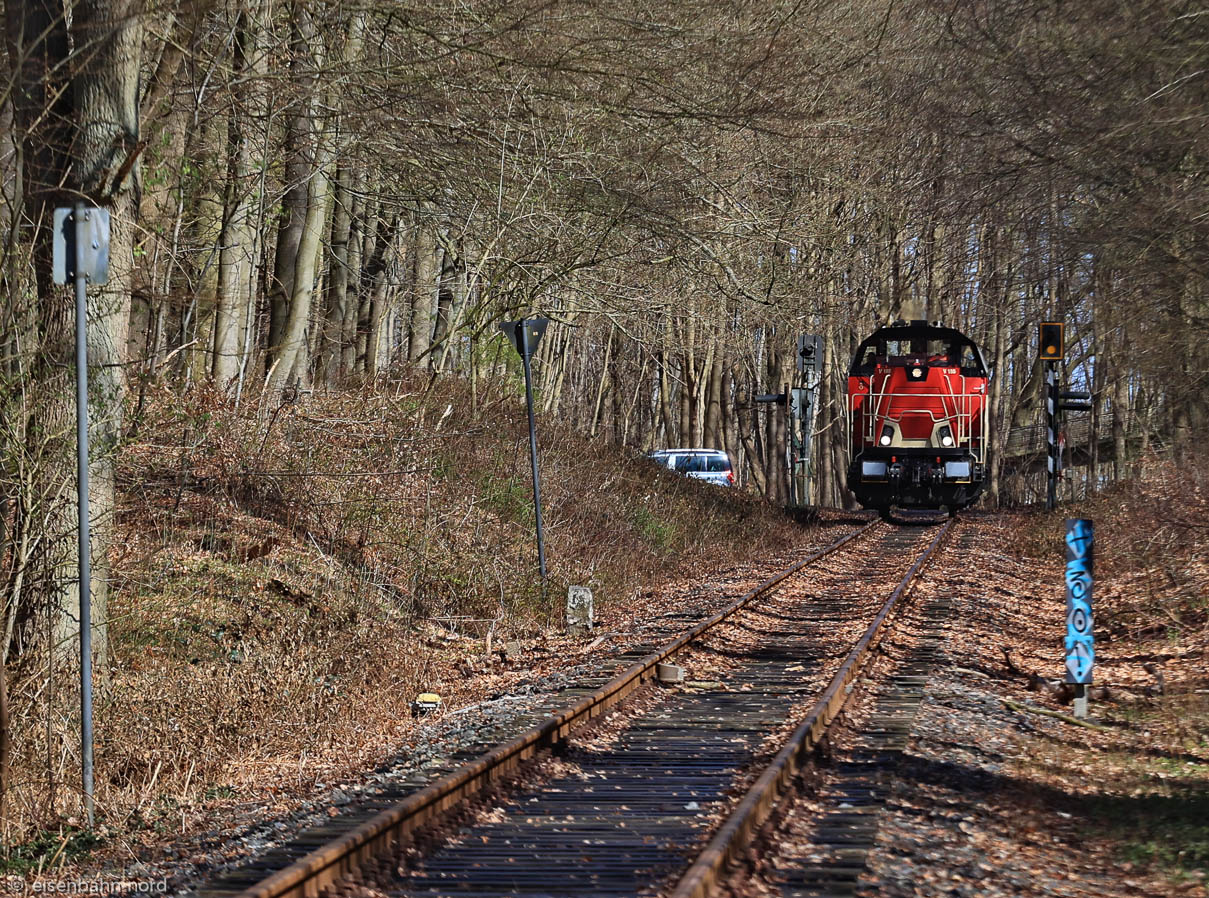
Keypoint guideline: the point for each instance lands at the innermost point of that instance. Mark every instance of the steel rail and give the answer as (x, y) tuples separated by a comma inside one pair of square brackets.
[(741, 826), (342, 857)]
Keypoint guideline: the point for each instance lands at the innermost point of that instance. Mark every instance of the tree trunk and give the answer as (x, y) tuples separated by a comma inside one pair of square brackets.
[(350, 301), (730, 420), (665, 382), (299, 172), (85, 134), (772, 430), (444, 314), (377, 273), (424, 292), (106, 171), (604, 379), (207, 143), (338, 279), (684, 436), (749, 422), (458, 284), (292, 361), (825, 481), (238, 241), (713, 405)]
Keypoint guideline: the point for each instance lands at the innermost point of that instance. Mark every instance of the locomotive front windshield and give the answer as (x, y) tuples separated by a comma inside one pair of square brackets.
[(934, 347)]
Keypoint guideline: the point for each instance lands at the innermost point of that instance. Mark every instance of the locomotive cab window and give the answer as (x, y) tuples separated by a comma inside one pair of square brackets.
[(867, 357), (971, 361), (941, 352)]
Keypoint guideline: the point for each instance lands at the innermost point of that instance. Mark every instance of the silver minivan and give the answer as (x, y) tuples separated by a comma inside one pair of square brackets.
[(712, 465)]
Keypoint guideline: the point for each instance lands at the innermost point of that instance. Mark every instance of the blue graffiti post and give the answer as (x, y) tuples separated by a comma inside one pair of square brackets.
[(1080, 642)]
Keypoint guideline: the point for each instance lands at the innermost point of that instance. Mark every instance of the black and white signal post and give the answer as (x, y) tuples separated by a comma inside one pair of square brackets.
[(1052, 352), (800, 404), (803, 404)]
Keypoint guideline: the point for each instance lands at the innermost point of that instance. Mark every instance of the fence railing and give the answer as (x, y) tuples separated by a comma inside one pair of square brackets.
[(1031, 440)]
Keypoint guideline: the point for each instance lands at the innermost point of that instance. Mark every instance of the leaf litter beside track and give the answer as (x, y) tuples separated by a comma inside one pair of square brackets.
[(996, 801)]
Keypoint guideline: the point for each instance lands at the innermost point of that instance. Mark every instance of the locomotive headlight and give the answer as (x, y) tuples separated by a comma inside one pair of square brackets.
[(886, 439), (917, 372), (946, 440), (945, 432)]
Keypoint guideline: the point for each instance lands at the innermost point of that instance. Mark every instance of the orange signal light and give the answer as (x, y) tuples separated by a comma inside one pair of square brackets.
[(1050, 340)]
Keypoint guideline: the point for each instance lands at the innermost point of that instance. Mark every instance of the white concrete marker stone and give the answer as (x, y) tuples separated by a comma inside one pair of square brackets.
[(669, 673), (579, 609)]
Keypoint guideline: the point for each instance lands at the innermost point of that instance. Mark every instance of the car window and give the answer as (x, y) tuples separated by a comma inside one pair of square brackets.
[(701, 463), (687, 463)]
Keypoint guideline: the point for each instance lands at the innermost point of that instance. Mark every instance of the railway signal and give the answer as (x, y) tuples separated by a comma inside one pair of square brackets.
[(800, 404), (1053, 456), (1070, 401), (525, 335), (810, 353), (1051, 348), (775, 398), (1050, 342)]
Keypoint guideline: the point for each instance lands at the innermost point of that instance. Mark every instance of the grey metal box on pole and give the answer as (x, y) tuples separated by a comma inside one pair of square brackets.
[(80, 254)]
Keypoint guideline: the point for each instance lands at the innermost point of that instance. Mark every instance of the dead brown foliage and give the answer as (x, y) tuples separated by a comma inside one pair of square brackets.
[(285, 580), (1152, 550)]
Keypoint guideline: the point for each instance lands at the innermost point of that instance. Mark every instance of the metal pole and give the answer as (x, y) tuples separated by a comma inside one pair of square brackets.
[(83, 234), (537, 490)]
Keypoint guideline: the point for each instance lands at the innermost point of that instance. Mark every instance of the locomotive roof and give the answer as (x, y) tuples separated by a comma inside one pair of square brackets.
[(916, 329)]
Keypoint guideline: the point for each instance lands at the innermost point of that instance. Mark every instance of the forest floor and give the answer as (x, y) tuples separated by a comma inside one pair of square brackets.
[(284, 582), (283, 592), (1002, 791)]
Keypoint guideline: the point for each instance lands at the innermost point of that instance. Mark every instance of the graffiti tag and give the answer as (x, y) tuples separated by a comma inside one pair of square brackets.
[(1080, 642)]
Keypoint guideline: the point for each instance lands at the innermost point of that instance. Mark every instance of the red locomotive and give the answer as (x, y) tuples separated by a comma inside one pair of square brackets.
[(916, 417)]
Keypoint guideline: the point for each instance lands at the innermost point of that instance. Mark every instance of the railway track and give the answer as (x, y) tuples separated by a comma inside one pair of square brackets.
[(624, 804), (819, 848)]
